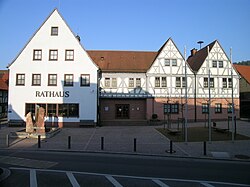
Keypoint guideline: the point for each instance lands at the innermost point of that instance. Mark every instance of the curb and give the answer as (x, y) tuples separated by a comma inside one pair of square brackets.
[(6, 173)]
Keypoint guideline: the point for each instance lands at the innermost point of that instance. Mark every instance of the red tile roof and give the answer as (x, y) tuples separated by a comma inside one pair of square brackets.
[(244, 71), (200, 56), (123, 61)]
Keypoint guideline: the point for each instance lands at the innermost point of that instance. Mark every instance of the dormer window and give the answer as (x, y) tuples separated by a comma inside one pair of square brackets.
[(54, 31)]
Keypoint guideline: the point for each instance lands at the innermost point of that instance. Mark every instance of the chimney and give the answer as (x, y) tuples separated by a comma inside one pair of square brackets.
[(78, 38), (193, 51)]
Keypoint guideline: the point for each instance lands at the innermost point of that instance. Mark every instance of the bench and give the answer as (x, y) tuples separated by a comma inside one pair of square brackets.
[(16, 123), (222, 130), (87, 123), (173, 131)]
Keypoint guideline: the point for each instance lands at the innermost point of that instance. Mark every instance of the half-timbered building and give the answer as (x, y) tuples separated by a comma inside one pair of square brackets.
[(215, 83)]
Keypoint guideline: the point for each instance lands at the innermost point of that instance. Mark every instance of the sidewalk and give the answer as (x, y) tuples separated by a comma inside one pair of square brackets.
[(120, 139)]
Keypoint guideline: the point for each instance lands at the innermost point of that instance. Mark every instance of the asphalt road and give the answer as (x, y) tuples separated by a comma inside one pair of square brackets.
[(56, 165)]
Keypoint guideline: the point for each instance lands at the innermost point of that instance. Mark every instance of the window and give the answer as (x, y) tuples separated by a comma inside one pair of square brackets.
[(224, 82), (229, 108), (183, 82), (53, 54), (138, 82), (167, 62), (171, 108), (178, 82), (114, 83), (229, 82), (36, 79), (54, 31), (69, 55), (68, 80), (52, 79), (157, 81), (29, 107), (220, 64), (37, 54), (68, 110), (20, 79), (131, 82), (52, 110), (107, 82), (73, 110), (85, 80), (204, 108), (164, 82), (174, 62), (205, 82), (122, 111), (211, 82), (63, 110), (214, 64), (218, 108)]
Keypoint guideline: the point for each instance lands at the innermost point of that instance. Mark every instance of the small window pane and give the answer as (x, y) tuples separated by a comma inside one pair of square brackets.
[(218, 107), (224, 82), (114, 82), (220, 64), (138, 82), (51, 109), (174, 62), (69, 55), (37, 54), (52, 79), (204, 108), (205, 82), (53, 54), (20, 79), (131, 83), (167, 62), (157, 81), (36, 79), (214, 64), (164, 82), (54, 31), (229, 83), (85, 80), (178, 82), (68, 80), (107, 82)]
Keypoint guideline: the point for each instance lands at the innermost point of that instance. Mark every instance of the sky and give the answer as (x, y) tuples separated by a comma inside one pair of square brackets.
[(134, 25)]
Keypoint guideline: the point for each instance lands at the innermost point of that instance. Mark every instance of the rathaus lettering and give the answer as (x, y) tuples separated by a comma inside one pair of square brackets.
[(52, 94)]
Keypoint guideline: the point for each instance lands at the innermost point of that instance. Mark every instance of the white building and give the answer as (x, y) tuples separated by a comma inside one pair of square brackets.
[(54, 71)]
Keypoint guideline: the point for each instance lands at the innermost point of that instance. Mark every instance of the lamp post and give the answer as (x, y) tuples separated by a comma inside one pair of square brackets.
[(200, 42)]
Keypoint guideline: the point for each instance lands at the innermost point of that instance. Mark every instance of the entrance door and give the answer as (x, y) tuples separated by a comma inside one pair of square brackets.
[(122, 111)]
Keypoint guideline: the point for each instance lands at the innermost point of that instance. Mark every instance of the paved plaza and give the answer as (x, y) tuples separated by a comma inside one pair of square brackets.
[(133, 140)]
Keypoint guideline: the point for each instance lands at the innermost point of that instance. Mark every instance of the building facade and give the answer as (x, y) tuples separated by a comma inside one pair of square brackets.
[(4, 81), (118, 87), (55, 72), (244, 90)]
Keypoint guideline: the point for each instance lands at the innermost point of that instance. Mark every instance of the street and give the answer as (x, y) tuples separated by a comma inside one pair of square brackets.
[(51, 167)]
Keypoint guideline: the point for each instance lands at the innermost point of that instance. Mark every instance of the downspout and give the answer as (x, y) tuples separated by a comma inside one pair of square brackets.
[(98, 97), (195, 89)]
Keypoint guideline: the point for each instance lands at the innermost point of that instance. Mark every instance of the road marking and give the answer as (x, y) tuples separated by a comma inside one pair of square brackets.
[(113, 181), (91, 137), (72, 179), (26, 162), (206, 184), (160, 183), (135, 177), (33, 181)]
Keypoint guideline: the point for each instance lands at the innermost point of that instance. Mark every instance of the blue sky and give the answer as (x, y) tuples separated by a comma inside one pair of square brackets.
[(142, 25)]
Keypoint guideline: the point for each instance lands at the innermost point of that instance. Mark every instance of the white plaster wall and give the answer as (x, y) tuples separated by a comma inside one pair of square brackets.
[(82, 64)]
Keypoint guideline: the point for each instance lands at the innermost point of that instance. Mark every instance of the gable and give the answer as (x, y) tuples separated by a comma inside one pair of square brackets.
[(45, 41), (169, 60)]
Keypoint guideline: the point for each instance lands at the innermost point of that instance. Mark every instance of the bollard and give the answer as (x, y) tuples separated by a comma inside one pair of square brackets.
[(69, 142), (134, 144), (102, 143), (205, 148), (7, 140), (39, 141), (171, 146)]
